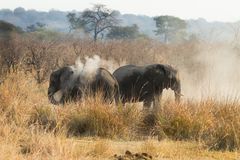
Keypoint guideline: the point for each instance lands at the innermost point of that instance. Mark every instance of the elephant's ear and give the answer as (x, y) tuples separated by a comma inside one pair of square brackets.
[(58, 73), (170, 71), (54, 76)]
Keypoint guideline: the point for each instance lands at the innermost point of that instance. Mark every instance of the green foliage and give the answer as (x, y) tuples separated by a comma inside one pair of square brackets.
[(75, 22), (7, 28), (126, 32), (36, 27), (46, 34), (171, 28)]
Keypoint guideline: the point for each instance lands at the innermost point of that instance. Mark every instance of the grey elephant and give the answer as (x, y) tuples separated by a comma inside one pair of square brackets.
[(67, 84), (146, 83)]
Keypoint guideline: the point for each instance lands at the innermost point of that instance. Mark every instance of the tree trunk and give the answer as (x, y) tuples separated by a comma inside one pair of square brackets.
[(95, 35)]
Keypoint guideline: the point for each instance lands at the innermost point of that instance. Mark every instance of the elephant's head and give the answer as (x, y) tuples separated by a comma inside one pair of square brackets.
[(173, 81), (62, 84), (168, 77)]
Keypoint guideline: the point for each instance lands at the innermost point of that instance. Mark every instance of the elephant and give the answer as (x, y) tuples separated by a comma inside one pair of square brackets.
[(146, 83), (67, 84)]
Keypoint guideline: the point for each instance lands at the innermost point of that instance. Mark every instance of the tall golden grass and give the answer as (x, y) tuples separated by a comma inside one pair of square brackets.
[(29, 121)]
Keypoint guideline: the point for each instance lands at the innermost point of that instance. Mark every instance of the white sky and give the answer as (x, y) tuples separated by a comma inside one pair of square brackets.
[(212, 10)]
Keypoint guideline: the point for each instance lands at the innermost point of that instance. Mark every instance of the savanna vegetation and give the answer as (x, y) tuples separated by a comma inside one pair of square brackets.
[(196, 128)]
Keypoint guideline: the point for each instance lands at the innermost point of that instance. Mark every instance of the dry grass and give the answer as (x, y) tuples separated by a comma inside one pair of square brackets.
[(214, 123), (32, 128)]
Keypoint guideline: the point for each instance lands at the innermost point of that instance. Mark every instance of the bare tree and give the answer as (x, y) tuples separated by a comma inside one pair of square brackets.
[(95, 20), (39, 57), (11, 51)]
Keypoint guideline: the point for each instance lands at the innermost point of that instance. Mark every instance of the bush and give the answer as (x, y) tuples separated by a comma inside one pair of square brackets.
[(96, 119), (43, 117), (215, 124)]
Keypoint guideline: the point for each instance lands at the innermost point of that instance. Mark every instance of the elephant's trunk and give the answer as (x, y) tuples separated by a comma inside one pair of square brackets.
[(54, 96), (51, 92), (177, 91)]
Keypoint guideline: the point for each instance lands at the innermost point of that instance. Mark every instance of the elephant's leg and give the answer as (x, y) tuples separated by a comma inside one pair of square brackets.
[(157, 103), (117, 96), (116, 99), (147, 104)]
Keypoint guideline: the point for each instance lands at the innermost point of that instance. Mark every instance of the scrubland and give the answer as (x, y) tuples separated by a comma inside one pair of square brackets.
[(205, 125)]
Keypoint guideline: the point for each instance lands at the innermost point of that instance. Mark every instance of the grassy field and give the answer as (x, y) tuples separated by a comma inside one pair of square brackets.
[(47, 146), (32, 128)]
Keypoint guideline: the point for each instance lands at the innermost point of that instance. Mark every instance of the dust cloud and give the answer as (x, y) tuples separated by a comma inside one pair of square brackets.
[(88, 68), (217, 77)]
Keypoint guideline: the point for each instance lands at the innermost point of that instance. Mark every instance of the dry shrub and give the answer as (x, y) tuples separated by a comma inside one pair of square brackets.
[(147, 125), (226, 129), (95, 118), (214, 123), (177, 121), (14, 94), (130, 115), (139, 51), (41, 55), (11, 53), (43, 117)]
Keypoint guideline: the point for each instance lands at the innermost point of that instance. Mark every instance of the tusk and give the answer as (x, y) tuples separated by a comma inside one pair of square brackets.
[(179, 94), (57, 96)]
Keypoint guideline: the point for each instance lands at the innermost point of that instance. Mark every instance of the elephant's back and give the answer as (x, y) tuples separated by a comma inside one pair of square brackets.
[(105, 75), (132, 82), (127, 71)]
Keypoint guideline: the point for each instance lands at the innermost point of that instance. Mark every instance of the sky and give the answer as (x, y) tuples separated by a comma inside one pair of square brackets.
[(211, 10)]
